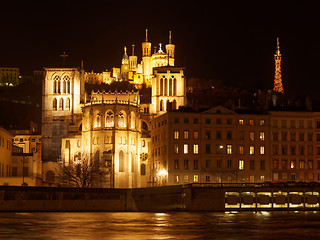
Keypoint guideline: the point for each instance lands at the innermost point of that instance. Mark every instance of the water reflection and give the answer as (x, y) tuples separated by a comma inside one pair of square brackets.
[(175, 225)]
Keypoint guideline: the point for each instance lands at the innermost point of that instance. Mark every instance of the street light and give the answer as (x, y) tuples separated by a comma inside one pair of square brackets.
[(162, 173)]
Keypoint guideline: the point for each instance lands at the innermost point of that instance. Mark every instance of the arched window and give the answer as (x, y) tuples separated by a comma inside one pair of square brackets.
[(161, 105), (132, 162), (109, 119), (122, 119), (170, 87), (64, 86), (143, 169), (132, 120), (55, 84), (161, 87), (61, 104), (59, 87), (174, 87), (68, 103), (165, 87), (121, 161), (54, 104), (97, 122)]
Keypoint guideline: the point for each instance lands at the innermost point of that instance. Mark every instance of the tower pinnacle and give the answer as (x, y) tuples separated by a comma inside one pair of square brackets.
[(277, 75), (169, 37), (146, 35)]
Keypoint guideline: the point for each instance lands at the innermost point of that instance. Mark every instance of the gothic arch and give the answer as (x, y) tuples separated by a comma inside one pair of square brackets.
[(122, 123), (121, 161), (132, 120), (61, 104), (109, 118), (55, 104)]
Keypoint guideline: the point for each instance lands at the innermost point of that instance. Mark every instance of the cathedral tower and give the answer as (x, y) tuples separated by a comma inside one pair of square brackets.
[(125, 65), (170, 51), (133, 60), (146, 58)]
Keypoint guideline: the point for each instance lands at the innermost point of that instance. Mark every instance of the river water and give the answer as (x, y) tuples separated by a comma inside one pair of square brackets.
[(174, 225)]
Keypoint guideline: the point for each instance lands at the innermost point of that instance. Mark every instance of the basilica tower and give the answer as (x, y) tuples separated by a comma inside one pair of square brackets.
[(146, 58), (170, 51)]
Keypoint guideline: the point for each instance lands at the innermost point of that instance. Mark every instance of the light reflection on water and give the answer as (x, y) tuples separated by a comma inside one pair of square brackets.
[(174, 225)]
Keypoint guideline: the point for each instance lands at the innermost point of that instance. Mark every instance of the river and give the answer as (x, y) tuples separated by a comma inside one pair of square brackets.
[(173, 225)]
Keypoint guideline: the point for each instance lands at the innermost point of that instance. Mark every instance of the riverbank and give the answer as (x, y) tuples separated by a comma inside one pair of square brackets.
[(192, 197)]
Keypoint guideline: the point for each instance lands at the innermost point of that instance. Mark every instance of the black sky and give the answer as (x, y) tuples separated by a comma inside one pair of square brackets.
[(233, 41)]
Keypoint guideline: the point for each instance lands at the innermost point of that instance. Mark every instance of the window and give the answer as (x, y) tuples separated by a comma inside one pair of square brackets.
[(284, 149), (251, 164), (241, 164), (208, 163), (229, 149), (293, 150), (262, 136), (251, 150), (275, 136), (262, 150), (301, 124), (219, 149), (251, 136), (301, 149), (195, 164), (310, 137), (229, 135), (318, 137), (121, 120), (68, 103), (186, 120), (229, 163), (176, 179), (218, 135), (301, 164), (185, 148), (284, 136), (318, 124), (207, 178), (195, 178), (208, 121), (54, 104), (195, 148), (208, 148), (207, 135), (262, 165), (195, 120), (195, 135), (176, 164), (109, 119), (176, 134), (218, 121), (186, 164), (275, 164), (310, 150), (97, 122), (240, 121), (292, 124), (176, 148), (284, 164), (251, 122), (284, 123), (218, 163), (186, 178), (310, 164), (176, 120), (241, 149), (301, 136), (261, 122), (186, 134), (293, 164)]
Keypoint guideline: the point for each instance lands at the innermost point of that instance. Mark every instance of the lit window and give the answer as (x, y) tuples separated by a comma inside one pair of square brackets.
[(176, 148), (195, 148), (196, 178), (195, 135), (186, 134), (301, 164), (109, 119), (251, 122), (241, 164), (241, 149), (261, 122), (262, 136), (176, 179), (251, 179), (262, 178), (261, 150), (229, 149), (185, 148), (292, 164), (121, 120), (251, 150), (186, 178), (97, 121), (176, 134), (251, 136), (240, 121)]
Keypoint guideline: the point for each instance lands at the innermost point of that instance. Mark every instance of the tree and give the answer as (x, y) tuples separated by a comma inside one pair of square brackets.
[(85, 173)]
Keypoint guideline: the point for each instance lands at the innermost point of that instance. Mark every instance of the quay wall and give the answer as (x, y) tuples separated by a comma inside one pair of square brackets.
[(193, 197)]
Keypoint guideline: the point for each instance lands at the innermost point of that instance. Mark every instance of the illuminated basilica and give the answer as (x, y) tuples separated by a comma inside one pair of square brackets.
[(112, 127)]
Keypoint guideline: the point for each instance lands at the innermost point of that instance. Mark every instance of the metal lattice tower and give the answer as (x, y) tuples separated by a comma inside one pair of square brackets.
[(277, 75)]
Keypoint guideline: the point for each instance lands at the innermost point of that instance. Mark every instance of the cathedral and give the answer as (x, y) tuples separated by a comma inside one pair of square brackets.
[(112, 127)]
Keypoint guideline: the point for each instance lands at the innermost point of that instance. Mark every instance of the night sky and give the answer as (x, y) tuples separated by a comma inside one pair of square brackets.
[(232, 41)]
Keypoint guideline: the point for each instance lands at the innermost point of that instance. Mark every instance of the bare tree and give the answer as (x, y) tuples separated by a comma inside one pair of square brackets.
[(84, 173)]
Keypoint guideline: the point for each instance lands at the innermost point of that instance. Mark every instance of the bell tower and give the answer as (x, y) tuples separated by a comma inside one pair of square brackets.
[(146, 58), (170, 51)]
